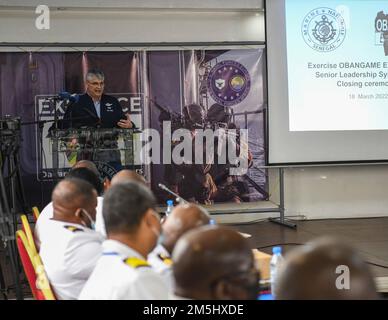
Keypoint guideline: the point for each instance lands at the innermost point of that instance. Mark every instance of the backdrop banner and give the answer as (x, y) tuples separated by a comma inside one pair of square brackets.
[(229, 87), (200, 114)]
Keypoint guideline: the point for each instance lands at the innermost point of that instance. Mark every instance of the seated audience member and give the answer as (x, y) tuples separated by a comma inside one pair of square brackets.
[(119, 177), (81, 172), (128, 176), (182, 219), (69, 247), (214, 263), (133, 228), (89, 175), (88, 165), (325, 269)]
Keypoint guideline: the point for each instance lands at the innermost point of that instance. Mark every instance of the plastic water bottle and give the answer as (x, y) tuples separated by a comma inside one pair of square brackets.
[(276, 261), (170, 207)]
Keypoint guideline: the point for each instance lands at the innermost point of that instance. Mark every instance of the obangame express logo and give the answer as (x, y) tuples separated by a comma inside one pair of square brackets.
[(324, 29), (229, 82), (381, 30)]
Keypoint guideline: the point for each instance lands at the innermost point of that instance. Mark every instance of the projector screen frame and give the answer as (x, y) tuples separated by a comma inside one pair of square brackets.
[(267, 110)]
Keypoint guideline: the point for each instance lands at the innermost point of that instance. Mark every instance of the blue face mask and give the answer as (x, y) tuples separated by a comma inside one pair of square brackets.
[(92, 222), (160, 238)]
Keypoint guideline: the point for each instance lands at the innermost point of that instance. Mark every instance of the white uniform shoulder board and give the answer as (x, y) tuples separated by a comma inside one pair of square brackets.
[(73, 229), (136, 262), (166, 260)]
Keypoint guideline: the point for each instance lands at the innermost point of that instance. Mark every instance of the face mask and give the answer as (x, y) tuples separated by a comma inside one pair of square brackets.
[(159, 236), (160, 239), (92, 222)]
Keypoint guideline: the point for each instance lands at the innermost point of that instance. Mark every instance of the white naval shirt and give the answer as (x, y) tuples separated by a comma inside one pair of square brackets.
[(48, 212), (100, 223), (69, 254), (161, 262), (114, 279)]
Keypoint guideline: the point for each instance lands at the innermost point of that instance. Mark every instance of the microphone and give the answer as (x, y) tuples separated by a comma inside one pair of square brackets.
[(178, 198), (71, 98)]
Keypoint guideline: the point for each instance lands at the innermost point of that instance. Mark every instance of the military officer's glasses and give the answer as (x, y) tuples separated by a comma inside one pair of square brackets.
[(97, 83)]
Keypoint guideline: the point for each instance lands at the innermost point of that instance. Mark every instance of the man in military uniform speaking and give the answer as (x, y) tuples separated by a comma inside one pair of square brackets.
[(98, 110)]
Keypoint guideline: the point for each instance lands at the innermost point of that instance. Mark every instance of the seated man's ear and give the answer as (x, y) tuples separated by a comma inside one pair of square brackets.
[(107, 184), (152, 218), (221, 291), (225, 290), (148, 219), (78, 213)]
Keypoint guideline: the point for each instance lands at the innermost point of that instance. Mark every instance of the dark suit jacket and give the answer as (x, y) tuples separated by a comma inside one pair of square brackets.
[(83, 113)]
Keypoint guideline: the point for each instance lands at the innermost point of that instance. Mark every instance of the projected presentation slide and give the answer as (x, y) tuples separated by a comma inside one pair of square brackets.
[(337, 60)]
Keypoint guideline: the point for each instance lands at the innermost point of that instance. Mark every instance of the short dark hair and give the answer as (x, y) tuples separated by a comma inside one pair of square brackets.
[(125, 205), (87, 175)]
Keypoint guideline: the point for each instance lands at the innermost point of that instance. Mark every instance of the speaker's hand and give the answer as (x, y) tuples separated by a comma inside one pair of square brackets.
[(127, 124)]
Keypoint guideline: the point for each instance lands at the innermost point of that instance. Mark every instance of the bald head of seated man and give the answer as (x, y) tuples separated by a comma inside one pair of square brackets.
[(79, 172), (70, 247), (325, 269), (128, 176), (75, 200), (214, 263), (88, 165), (182, 219)]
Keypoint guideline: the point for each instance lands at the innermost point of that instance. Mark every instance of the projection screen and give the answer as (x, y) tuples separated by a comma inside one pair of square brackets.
[(327, 81)]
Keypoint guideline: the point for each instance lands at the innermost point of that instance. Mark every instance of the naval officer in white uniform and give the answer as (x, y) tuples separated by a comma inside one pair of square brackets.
[(133, 228), (182, 219), (69, 247)]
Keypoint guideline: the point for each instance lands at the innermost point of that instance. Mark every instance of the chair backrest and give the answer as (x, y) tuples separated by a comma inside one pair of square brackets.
[(28, 231), (42, 281), (25, 253), (33, 268), (35, 213)]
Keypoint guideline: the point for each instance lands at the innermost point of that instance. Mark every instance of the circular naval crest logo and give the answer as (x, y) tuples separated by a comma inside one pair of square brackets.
[(229, 82), (324, 29), (105, 170)]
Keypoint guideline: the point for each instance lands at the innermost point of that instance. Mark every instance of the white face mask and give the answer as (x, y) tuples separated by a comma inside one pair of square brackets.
[(158, 234), (92, 222)]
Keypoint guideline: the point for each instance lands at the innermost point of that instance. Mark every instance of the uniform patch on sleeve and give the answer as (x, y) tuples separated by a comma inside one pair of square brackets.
[(73, 229), (136, 262)]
